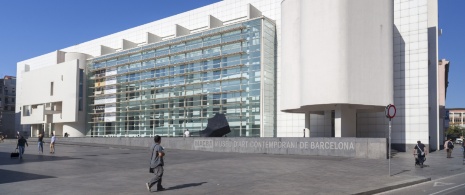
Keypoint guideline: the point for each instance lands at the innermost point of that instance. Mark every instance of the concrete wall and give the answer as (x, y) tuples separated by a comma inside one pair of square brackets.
[(372, 148)]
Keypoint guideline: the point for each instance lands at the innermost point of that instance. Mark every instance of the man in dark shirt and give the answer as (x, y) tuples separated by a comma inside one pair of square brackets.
[(156, 164), (40, 143), (21, 144), (421, 150)]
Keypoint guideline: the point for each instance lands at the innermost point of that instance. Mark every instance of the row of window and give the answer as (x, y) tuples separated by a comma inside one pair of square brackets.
[(210, 33), (168, 106), (181, 85), (185, 80), (458, 120), (172, 130), (13, 93), (225, 95), (250, 39), (180, 69), (188, 114), (7, 100), (138, 98), (9, 108)]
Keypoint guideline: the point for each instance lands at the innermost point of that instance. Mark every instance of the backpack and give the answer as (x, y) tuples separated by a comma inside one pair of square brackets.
[(450, 145)]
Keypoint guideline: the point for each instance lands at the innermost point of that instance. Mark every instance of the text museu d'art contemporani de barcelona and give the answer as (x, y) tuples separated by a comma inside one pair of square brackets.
[(332, 145)]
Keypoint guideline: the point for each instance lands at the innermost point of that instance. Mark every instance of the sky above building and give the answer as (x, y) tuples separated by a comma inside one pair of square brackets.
[(30, 28)]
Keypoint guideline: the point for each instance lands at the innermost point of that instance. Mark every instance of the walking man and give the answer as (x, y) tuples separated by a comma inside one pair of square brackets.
[(40, 142), (52, 144), (21, 144), (449, 146), (156, 165)]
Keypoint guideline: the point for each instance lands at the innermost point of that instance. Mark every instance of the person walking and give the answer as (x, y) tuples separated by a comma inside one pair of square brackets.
[(186, 133), (156, 165), (449, 146), (52, 144), (21, 146), (420, 150), (40, 142)]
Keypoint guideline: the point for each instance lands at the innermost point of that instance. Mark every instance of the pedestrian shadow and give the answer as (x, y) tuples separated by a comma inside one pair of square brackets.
[(30, 158), (185, 186), (403, 171), (8, 176)]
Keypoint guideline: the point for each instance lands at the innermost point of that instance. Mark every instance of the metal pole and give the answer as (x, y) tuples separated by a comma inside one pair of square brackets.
[(389, 147)]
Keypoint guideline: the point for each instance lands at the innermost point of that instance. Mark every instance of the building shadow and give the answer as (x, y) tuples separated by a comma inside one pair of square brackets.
[(30, 158), (399, 123), (185, 186), (435, 114), (375, 125), (16, 176)]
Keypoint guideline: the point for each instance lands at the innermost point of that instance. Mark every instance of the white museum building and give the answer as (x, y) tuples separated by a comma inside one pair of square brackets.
[(273, 67)]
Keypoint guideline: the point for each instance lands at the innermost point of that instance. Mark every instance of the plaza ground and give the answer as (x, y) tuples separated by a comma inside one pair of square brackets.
[(107, 169)]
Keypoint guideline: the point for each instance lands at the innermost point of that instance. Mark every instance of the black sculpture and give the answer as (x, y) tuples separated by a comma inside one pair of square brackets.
[(217, 126)]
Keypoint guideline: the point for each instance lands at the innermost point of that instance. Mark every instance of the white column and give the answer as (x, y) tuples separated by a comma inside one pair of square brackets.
[(345, 121), (460, 118), (337, 123)]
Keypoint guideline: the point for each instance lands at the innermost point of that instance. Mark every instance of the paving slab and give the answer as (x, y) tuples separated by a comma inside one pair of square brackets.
[(106, 169)]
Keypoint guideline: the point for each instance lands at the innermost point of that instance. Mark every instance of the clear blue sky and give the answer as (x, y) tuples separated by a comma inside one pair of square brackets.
[(30, 28)]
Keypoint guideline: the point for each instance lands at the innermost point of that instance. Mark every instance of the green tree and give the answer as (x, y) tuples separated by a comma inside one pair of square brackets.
[(454, 131)]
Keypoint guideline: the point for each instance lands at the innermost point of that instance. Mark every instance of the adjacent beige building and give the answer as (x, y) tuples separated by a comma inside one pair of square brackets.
[(8, 124), (456, 116)]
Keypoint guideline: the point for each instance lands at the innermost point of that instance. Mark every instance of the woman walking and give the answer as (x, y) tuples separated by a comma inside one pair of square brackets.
[(52, 144)]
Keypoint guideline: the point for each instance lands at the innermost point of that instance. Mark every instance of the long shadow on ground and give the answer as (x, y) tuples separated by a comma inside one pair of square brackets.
[(15, 176), (30, 158), (185, 186)]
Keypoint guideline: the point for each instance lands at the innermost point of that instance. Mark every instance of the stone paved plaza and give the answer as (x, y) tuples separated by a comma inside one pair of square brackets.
[(103, 169)]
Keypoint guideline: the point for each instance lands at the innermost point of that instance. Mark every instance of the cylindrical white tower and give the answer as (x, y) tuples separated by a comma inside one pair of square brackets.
[(337, 55)]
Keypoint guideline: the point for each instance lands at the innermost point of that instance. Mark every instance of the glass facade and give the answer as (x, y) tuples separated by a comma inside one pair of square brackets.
[(167, 87)]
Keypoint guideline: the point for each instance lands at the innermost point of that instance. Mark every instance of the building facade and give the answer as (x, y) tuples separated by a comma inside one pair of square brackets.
[(169, 86), (173, 74), (7, 105), (456, 116)]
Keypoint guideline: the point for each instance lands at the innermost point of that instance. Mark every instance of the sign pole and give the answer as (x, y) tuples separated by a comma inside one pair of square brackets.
[(390, 113), (389, 147)]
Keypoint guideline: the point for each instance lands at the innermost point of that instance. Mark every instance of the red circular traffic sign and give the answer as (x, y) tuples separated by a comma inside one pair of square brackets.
[(390, 111)]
